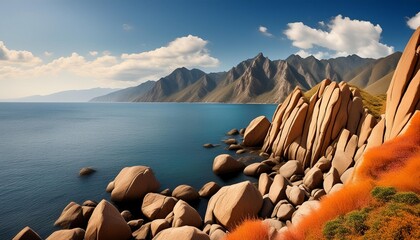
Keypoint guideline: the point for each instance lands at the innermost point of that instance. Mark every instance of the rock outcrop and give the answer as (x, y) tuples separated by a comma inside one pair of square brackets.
[(133, 183), (224, 164), (256, 131)]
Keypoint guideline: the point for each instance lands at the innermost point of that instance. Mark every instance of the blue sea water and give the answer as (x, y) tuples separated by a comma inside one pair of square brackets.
[(44, 145)]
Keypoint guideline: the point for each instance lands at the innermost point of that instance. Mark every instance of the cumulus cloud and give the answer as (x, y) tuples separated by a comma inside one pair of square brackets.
[(127, 27), (48, 54), (342, 37), (189, 51), (264, 31), (14, 57), (414, 22)]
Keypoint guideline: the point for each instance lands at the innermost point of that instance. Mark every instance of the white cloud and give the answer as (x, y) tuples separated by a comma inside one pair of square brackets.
[(48, 54), (105, 70), (127, 27), (321, 23), (318, 55), (414, 22), (343, 37), (93, 53), (264, 31), (14, 57)]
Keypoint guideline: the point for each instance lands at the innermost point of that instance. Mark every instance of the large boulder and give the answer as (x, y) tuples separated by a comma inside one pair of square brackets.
[(313, 178), (133, 183), (305, 209), (157, 206), (68, 234), (224, 164), (186, 193), (264, 183), (209, 189), (295, 195), (232, 204), (106, 223), (185, 215), (278, 189), (158, 225), (290, 168), (71, 217), (283, 211), (27, 234), (255, 169), (185, 232), (256, 131)]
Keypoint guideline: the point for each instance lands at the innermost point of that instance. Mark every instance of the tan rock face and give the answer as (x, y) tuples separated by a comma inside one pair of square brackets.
[(157, 206), (185, 215), (185, 232), (256, 131), (231, 204), (106, 223), (133, 183), (225, 164), (186, 193), (27, 234), (209, 189), (70, 234), (71, 217), (403, 94)]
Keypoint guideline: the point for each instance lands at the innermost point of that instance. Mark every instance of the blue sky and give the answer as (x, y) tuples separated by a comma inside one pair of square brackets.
[(53, 45)]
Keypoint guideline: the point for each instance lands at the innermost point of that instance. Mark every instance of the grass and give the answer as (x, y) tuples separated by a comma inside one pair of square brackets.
[(393, 215)]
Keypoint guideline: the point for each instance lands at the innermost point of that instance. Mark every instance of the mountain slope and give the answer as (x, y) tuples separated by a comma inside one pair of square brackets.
[(261, 80), (127, 94), (68, 96)]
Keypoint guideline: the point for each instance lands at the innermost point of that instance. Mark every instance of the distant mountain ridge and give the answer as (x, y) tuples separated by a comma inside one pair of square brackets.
[(261, 80), (66, 96)]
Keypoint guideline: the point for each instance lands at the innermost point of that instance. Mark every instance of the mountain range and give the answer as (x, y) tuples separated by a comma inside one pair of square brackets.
[(66, 96), (260, 80)]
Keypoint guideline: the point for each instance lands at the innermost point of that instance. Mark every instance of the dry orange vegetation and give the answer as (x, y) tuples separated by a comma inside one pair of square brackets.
[(395, 163), (250, 230)]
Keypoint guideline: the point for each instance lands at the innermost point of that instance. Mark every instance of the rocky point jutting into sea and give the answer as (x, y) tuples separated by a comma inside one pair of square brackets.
[(312, 149)]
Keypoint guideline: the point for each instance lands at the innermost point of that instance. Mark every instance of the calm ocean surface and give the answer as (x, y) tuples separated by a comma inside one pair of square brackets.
[(44, 145)]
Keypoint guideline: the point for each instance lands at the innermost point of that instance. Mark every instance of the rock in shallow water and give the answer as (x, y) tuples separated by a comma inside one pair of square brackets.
[(86, 171), (224, 164), (27, 234), (186, 193)]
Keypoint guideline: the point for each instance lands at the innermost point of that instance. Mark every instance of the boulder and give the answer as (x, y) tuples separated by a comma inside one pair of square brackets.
[(324, 164), (86, 171), (218, 234), (126, 215), (110, 187), (264, 183), (337, 187), (267, 207), (185, 215), (230, 141), (235, 147), (208, 145), (185, 232), (256, 131), (186, 193), (157, 206), (133, 183), (316, 194), (295, 195), (231, 204), (89, 203), (166, 192), (346, 177), (87, 212), (276, 224), (209, 189), (341, 162), (240, 151), (106, 223), (135, 224), (290, 168), (158, 225), (305, 209), (232, 132), (313, 178), (68, 234), (170, 218), (27, 234), (255, 169), (277, 190), (242, 131), (143, 233), (331, 178), (224, 164), (71, 217), (283, 211)]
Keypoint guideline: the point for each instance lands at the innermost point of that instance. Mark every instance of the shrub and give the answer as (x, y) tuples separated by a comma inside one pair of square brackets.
[(335, 229), (406, 197), (383, 193), (356, 220)]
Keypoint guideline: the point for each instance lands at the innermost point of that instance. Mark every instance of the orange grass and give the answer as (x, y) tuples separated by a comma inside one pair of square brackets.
[(250, 230)]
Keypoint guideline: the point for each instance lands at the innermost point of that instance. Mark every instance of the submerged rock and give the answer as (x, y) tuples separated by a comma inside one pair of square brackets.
[(86, 171), (232, 132)]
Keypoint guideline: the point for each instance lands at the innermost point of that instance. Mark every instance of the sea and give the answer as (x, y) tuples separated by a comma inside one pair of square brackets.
[(44, 145)]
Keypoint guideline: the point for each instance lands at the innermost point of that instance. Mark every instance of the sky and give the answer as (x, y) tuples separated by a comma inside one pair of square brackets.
[(48, 46)]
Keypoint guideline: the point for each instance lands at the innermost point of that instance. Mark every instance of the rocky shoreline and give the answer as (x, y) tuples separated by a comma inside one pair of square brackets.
[(310, 149)]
